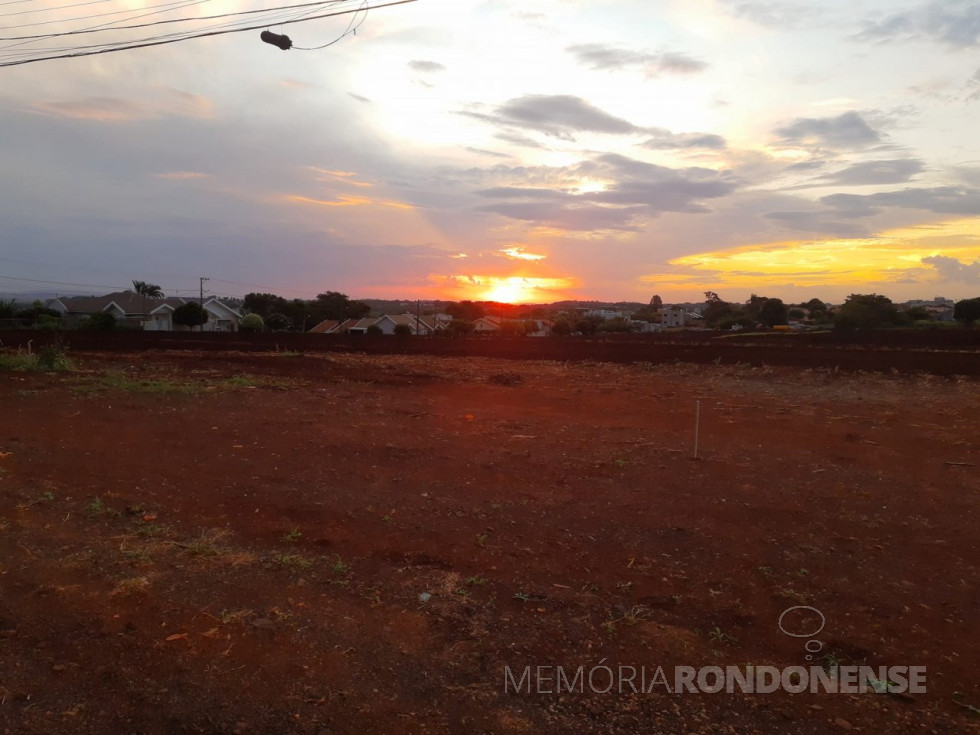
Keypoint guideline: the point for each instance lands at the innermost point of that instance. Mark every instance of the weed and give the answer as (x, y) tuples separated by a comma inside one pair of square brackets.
[(138, 555), (717, 634), (462, 592), (387, 519), (207, 544), (481, 539), (131, 586), (96, 507), (764, 570), (631, 617), (522, 596), (235, 616), (620, 462), (150, 530), (292, 560), (292, 536), (475, 581), (339, 565)]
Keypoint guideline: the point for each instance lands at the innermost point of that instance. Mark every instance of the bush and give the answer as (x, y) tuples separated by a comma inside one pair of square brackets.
[(102, 322), (252, 323), (374, 330), (403, 330)]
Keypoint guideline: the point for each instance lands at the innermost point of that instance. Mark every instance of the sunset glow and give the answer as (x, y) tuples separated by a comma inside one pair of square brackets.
[(598, 151)]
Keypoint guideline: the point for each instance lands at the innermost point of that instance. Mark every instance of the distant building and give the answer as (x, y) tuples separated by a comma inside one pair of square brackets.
[(152, 315)]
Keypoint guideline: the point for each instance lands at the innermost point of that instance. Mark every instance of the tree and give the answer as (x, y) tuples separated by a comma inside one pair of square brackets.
[(276, 322), (656, 302), (967, 311), (814, 305), (374, 330), (252, 323), (263, 304), (561, 327), (336, 305), (648, 314), (716, 310), (402, 330), (918, 314), (866, 311), (190, 315), (101, 321), (460, 327), (149, 290), (616, 324), (465, 310)]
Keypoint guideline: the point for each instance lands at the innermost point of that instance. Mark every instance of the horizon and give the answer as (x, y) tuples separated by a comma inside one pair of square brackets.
[(470, 150)]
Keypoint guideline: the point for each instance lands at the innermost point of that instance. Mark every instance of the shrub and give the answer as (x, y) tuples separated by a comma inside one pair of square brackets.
[(252, 323)]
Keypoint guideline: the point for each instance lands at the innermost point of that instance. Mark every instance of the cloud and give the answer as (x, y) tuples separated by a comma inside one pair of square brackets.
[(517, 252), (973, 87), (780, 16), (872, 173), (952, 269), (557, 115), (955, 24), (173, 103), (601, 57), (960, 200), (619, 192), (426, 66), (817, 222), (663, 140), (846, 132), (182, 175)]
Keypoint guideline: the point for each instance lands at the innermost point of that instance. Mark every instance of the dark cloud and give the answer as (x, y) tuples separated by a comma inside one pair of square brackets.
[(426, 66), (598, 56), (952, 269), (973, 87), (634, 189), (666, 140), (941, 200), (848, 131), (872, 173), (557, 115), (571, 215), (951, 22), (817, 222), (782, 15)]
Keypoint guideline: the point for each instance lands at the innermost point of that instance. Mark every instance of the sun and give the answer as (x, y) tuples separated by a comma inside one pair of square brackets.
[(509, 291)]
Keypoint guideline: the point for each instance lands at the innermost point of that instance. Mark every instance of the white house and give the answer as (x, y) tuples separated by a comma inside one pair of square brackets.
[(154, 315)]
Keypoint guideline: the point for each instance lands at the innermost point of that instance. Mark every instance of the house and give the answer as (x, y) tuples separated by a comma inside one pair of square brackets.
[(327, 326), (143, 312), (487, 325), (419, 325), (673, 316)]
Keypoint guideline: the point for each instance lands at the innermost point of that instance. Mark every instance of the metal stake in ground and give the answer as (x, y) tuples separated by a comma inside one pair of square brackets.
[(697, 426)]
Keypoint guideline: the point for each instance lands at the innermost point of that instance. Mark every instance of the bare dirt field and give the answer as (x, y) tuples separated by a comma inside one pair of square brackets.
[(281, 543)]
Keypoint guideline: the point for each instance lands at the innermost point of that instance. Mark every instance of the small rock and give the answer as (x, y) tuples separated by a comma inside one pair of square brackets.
[(843, 724), (58, 667), (263, 623)]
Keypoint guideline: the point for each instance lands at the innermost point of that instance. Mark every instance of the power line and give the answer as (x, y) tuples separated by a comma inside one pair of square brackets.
[(74, 52), (60, 7)]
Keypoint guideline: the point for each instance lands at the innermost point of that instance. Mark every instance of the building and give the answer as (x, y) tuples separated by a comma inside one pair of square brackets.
[(142, 312)]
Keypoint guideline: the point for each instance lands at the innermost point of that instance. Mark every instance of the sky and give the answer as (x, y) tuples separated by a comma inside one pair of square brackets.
[(489, 149)]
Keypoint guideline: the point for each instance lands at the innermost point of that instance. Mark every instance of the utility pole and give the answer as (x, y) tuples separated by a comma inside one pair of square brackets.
[(201, 281)]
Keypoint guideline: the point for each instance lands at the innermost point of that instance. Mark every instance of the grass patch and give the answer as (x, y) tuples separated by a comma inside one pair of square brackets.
[(50, 358), (292, 560)]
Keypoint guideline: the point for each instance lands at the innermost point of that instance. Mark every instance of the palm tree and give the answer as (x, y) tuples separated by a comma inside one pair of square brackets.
[(147, 291)]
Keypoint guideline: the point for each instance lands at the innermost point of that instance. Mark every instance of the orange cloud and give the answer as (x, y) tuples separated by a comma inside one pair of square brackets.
[(168, 102), (518, 253), (893, 256), (508, 289), (348, 201)]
